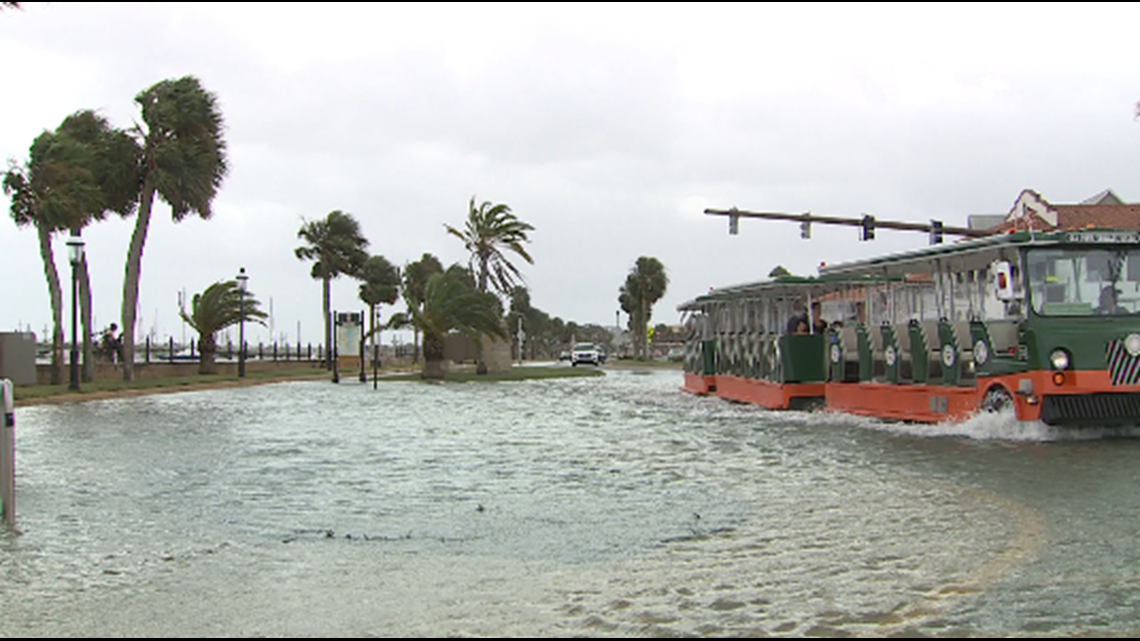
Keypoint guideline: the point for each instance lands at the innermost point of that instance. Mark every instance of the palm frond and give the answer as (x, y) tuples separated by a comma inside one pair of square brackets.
[(220, 306), (489, 230), (335, 243)]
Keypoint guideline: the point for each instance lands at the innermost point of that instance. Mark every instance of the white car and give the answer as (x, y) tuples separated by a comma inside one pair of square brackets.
[(585, 353)]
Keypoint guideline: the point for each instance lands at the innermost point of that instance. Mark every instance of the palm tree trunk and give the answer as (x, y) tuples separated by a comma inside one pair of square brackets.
[(207, 352), (480, 365), (56, 294), (326, 299), (131, 280), (433, 357), (88, 371), (642, 321)]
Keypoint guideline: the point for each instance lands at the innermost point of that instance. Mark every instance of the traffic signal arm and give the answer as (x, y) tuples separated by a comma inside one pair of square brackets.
[(806, 219)]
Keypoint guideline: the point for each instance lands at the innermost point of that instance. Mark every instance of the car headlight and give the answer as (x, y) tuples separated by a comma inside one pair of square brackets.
[(1060, 359)]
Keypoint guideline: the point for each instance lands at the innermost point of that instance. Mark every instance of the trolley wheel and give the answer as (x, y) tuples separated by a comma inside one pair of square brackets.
[(997, 399)]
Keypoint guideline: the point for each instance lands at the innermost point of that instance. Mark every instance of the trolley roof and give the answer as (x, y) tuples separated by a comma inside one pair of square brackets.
[(780, 287), (976, 253)]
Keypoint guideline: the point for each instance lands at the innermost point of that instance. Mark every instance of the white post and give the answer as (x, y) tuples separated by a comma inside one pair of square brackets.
[(8, 456)]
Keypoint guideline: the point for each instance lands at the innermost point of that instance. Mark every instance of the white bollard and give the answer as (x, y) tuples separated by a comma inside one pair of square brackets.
[(8, 456)]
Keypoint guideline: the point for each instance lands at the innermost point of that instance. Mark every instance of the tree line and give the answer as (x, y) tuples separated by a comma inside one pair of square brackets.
[(86, 170), (438, 301)]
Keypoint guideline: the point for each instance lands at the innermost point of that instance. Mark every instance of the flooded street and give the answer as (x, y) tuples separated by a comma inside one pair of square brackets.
[(615, 505)]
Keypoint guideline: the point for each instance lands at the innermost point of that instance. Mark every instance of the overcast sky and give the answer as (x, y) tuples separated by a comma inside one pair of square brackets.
[(608, 128)]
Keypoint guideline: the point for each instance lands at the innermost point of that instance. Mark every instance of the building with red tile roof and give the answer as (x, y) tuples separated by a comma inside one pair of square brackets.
[(1104, 210)]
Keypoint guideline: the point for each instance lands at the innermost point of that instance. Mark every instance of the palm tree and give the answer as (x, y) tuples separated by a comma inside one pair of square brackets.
[(450, 304), (336, 246), (415, 279), (74, 175), (111, 159), (488, 232), (644, 286), (215, 309), (183, 163), (380, 284), (21, 186)]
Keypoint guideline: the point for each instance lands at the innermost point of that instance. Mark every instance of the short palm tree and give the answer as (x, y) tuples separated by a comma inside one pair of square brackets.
[(336, 246), (450, 305), (380, 283), (215, 309), (490, 230), (415, 278)]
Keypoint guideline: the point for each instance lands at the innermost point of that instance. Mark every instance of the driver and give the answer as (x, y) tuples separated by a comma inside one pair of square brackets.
[(1108, 304)]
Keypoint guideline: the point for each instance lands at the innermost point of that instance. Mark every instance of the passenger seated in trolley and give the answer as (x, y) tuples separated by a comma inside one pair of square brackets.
[(798, 318)]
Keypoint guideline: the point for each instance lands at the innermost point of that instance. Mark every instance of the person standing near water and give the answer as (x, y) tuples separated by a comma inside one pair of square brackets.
[(112, 345)]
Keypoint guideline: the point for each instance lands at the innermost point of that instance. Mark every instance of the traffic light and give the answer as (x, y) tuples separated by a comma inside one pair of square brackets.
[(868, 232), (936, 232), (805, 229)]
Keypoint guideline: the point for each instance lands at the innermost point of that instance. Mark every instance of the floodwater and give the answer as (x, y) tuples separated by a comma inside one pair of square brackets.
[(611, 506)]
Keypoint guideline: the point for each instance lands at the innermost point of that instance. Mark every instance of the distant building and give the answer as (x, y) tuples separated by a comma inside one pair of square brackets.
[(984, 221), (1032, 211)]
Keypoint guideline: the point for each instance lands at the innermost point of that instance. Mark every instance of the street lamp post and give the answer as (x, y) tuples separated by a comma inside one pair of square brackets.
[(617, 331), (241, 283), (375, 346), (75, 254), (363, 374)]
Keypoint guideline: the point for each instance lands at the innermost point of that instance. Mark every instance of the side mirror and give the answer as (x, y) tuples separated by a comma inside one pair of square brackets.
[(1003, 281)]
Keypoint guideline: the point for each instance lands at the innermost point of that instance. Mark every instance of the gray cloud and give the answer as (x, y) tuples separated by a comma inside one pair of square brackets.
[(608, 128)]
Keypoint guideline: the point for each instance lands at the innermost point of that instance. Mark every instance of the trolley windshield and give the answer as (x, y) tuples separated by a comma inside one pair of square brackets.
[(1084, 281)]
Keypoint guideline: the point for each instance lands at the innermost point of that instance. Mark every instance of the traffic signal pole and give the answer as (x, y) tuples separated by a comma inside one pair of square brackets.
[(867, 224)]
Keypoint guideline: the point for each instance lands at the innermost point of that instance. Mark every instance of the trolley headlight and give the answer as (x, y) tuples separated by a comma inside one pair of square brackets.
[(1060, 359), (1132, 344)]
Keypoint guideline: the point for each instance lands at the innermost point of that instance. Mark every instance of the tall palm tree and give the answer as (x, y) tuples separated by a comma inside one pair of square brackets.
[(74, 175), (450, 304), (336, 246), (644, 286), (112, 161), (415, 279), (21, 187), (183, 163), (489, 231), (215, 309)]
